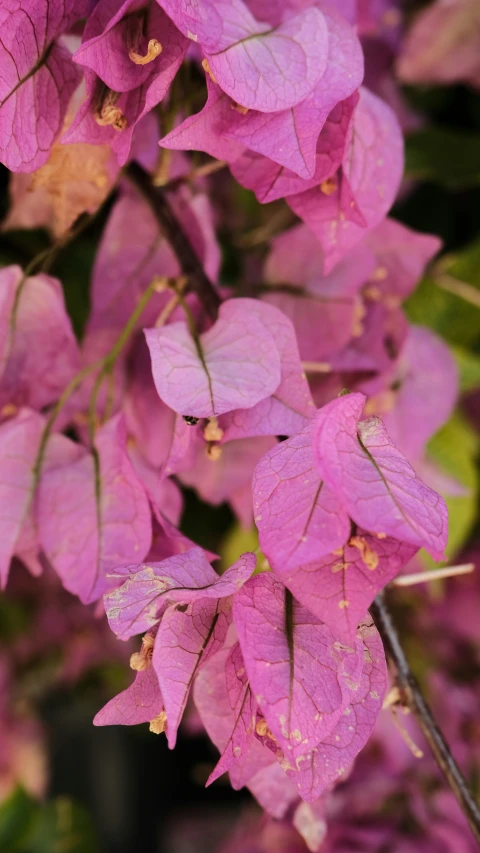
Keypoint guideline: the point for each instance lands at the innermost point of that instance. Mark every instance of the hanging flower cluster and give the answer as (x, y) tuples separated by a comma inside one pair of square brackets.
[(241, 401)]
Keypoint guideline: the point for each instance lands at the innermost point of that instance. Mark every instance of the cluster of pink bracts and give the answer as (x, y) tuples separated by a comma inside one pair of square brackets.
[(286, 668)]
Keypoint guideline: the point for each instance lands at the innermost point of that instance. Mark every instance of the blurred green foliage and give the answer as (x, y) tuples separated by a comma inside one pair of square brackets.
[(448, 157), (58, 826)]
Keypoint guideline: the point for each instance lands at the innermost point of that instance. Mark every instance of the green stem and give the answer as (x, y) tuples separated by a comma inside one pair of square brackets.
[(45, 258), (104, 365), (111, 357)]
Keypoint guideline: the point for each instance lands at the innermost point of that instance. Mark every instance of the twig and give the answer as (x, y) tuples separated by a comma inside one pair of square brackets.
[(459, 288), (112, 355), (192, 176), (316, 367), (176, 237), (433, 575), (413, 698)]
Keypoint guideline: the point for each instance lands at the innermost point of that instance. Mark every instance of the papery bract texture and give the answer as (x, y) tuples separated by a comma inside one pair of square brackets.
[(243, 707), (421, 389), (19, 442), (139, 703), (301, 677), (185, 640), (289, 137), (259, 67), (290, 406), (373, 480), (299, 518), (323, 766), (401, 255), (35, 328), (207, 129), (109, 116), (278, 68), (271, 181), (93, 514), (230, 477), (340, 587), (115, 38), (38, 78), (147, 590), (324, 309), (233, 365), (365, 187)]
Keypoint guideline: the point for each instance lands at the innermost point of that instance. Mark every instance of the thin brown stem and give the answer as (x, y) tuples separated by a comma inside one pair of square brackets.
[(171, 227), (200, 172), (413, 698), (464, 291)]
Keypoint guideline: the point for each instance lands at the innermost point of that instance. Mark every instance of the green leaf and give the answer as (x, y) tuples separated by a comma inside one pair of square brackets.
[(236, 541), (454, 449), (16, 814), (468, 364), (450, 158), (61, 825), (454, 319), (465, 265), (27, 826)]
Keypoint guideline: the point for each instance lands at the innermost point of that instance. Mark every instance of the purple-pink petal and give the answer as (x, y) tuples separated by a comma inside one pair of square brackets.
[(233, 365), (38, 78), (276, 68), (373, 480), (147, 589), (186, 638), (366, 187), (299, 518), (289, 138), (19, 442), (290, 406), (92, 515), (139, 703), (320, 769), (301, 677), (340, 587), (36, 327)]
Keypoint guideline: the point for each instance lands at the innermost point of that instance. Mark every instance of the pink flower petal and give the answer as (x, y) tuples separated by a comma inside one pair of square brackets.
[(139, 703), (38, 79), (147, 590), (298, 517), (235, 364), (186, 638), (373, 480), (92, 519), (301, 677), (339, 588)]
